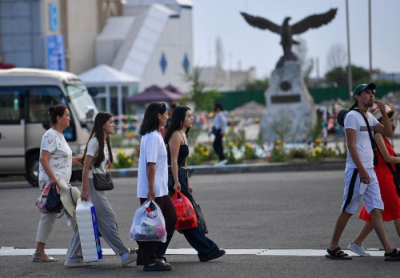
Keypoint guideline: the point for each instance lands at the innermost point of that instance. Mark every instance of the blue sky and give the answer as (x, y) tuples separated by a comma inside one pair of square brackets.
[(261, 49)]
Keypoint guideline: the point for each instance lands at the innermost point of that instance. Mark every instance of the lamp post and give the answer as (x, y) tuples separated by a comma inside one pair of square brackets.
[(348, 52), (370, 41)]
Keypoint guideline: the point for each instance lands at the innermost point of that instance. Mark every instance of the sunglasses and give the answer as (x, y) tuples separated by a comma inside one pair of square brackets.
[(370, 91)]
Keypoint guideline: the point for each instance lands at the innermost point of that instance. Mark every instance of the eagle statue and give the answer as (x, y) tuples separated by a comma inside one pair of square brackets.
[(286, 30)]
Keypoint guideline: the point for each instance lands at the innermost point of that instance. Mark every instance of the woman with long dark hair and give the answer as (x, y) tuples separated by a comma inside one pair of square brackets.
[(152, 181), (96, 158), (55, 163), (178, 180)]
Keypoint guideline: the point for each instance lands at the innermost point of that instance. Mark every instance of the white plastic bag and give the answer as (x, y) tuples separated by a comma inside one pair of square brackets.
[(148, 223)]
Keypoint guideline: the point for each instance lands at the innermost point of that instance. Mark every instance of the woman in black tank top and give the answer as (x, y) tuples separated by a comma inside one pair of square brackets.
[(178, 151)]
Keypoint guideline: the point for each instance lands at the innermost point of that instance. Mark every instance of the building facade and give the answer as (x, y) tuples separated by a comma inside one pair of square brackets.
[(52, 34), (152, 41)]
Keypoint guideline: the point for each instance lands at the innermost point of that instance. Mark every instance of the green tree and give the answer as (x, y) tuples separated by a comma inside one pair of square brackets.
[(338, 76), (256, 85), (281, 127), (203, 101)]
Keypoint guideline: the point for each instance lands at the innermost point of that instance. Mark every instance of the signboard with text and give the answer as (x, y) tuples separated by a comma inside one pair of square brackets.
[(55, 52)]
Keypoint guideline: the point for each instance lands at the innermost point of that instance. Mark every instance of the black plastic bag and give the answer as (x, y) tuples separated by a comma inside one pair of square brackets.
[(53, 202), (200, 217)]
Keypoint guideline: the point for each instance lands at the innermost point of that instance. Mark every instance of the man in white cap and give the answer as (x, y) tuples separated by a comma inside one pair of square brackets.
[(360, 178)]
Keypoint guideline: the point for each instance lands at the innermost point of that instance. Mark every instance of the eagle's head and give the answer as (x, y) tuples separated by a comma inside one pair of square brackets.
[(286, 20)]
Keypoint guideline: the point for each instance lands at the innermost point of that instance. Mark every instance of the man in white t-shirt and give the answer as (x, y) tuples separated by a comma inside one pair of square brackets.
[(360, 178)]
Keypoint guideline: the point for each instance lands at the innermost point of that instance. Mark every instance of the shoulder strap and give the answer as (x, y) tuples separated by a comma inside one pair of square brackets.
[(182, 137), (373, 143), (390, 168)]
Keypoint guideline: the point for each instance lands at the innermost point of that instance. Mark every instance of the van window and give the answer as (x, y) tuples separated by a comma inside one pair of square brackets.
[(40, 99), (11, 105)]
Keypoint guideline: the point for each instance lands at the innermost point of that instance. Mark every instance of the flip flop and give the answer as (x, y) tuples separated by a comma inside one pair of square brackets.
[(392, 256), (35, 259), (337, 254)]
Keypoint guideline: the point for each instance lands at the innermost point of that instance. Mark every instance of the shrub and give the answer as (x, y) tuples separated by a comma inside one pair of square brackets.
[(126, 161), (201, 153), (278, 153)]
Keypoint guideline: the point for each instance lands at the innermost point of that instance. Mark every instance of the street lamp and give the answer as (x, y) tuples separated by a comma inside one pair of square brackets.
[(348, 52)]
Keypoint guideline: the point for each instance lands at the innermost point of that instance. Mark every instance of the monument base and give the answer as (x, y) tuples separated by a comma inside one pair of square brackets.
[(290, 107)]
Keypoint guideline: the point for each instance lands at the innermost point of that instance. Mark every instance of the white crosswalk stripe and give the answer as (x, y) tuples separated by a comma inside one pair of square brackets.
[(11, 251)]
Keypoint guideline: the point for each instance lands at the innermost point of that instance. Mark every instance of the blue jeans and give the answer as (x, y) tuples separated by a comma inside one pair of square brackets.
[(195, 236)]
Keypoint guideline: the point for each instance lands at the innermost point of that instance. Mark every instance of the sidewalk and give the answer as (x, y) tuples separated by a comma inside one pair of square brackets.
[(248, 168)]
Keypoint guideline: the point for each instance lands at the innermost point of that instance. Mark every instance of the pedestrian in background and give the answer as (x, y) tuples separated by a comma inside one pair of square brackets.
[(152, 181), (360, 177), (96, 158), (178, 180), (390, 196), (171, 109), (55, 163), (219, 129)]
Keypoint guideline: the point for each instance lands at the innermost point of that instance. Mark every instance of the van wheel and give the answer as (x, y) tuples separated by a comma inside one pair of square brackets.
[(32, 169)]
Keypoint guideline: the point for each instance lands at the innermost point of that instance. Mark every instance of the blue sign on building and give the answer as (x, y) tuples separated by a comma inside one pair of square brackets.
[(53, 16), (55, 52)]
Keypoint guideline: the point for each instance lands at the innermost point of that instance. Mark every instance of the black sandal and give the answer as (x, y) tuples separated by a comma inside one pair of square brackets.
[(392, 256), (337, 254)]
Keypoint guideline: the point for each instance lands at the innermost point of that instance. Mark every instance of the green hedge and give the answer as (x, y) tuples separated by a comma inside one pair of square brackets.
[(231, 100)]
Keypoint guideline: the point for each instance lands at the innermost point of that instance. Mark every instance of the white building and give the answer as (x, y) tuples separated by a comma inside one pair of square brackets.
[(152, 41), (216, 78)]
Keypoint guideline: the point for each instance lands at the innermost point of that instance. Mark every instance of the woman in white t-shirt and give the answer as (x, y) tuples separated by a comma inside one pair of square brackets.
[(153, 181), (55, 163), (96, 158)]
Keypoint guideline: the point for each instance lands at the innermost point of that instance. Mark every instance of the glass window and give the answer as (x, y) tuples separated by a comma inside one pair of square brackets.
[(81, 101), (114, 100), (11, 105), (100, 103), (40, 99)]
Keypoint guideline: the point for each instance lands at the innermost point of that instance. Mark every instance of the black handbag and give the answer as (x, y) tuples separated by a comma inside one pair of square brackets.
[(200, 216), (103, 182), (53, 201)]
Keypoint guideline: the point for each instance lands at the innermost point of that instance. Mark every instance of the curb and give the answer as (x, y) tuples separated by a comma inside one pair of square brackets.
[(247, 168)]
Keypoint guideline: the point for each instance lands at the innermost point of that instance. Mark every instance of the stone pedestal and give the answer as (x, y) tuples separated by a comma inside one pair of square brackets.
[(290, 107)]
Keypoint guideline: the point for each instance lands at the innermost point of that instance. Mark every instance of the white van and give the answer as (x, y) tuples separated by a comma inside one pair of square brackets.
[(25, 98)]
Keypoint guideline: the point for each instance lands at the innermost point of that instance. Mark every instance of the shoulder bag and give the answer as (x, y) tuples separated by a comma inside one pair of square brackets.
[(103, 182)]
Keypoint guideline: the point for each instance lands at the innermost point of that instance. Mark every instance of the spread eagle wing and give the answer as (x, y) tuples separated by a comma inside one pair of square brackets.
[(261, 23), (313, 21)]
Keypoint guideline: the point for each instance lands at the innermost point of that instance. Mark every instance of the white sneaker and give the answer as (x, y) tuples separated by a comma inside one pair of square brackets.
[(75, 263), (358, 250), (132, 256), (221, 163)]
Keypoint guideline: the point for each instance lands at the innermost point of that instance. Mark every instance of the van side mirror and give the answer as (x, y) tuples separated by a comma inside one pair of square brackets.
[(93, 91)]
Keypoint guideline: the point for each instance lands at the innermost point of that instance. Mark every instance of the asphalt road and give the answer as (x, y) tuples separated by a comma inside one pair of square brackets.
[(287, 210)]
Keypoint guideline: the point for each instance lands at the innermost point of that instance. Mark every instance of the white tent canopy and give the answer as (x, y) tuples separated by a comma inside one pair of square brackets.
[(104, 75)]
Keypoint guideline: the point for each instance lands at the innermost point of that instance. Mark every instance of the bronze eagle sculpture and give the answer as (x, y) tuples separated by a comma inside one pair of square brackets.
[(286, 31)]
